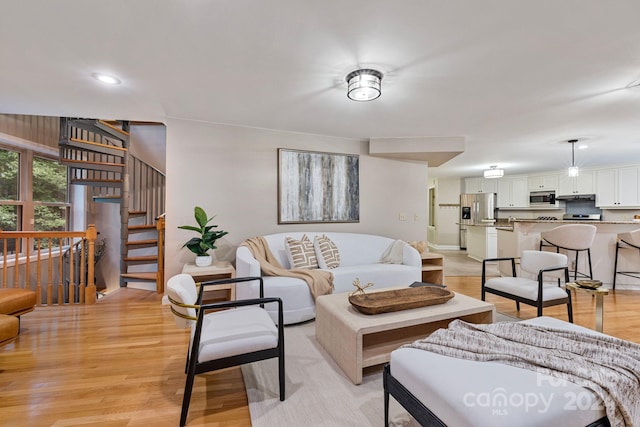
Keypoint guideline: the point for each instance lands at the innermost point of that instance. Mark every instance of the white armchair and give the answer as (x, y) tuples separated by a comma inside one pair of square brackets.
[(537, 293), (242, 333)]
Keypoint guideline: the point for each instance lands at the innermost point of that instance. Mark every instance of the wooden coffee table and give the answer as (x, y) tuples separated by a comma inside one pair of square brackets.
[(356, 340)]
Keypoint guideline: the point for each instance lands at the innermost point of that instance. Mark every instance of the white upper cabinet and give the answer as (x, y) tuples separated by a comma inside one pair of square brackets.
[(513, 192), (480, 185), (581, 184), (543, 182), (618, 187)]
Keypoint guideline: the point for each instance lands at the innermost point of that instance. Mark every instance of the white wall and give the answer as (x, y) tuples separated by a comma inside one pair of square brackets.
[(446, 233), (231, 172), (148, 143)]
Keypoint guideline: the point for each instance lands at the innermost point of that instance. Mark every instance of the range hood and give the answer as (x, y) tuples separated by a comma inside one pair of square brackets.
[(577, 197)]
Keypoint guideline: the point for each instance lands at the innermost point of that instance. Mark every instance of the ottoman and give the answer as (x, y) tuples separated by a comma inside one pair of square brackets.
[(9, 327), (16, 301)]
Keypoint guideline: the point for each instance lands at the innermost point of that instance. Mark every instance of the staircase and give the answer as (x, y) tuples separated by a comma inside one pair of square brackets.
[(97, 154)]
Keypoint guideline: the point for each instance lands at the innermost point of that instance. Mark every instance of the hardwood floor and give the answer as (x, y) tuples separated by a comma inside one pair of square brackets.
[(121, 362)]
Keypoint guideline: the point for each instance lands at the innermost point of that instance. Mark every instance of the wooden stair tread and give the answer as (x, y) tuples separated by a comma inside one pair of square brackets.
[(137, 213), (142, 258), (97, 144), (98, 198), (140, 276), (142, 227), (110, 126), (90, 162), (143, 242), (112, 181)]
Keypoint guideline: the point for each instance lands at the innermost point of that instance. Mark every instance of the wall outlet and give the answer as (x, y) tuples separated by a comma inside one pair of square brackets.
[(416, 217), (402, 216)]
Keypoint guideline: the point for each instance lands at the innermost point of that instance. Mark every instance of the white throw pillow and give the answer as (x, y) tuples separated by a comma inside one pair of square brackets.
[(326, 252), (301, 252)]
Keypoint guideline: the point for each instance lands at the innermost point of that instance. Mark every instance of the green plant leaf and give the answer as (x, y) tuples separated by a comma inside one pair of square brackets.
[(201, 216), (207, 236)]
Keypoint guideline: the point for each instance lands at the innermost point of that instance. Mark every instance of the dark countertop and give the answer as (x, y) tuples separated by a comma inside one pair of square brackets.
[(560, 221)]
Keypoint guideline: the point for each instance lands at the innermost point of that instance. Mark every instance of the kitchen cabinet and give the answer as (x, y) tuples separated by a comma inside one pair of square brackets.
[(543, 182), (513, 192), (581, 184), (618, 187), (480, 185)]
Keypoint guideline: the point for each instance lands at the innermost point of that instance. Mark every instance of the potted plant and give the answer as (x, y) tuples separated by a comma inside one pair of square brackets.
[(207, 237)]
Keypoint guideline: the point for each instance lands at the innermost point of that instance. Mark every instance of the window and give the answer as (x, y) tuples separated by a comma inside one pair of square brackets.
[(38, 201), (49, 195), (9, 174)]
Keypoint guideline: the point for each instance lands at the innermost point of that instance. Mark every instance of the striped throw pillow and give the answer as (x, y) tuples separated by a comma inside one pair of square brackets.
[(327, 252), (301, 253)]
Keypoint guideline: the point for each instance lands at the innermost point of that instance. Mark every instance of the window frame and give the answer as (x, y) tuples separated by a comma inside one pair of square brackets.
[(25, 203)]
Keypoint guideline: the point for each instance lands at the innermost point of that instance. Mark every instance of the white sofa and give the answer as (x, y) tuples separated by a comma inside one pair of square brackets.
[(360, 256)]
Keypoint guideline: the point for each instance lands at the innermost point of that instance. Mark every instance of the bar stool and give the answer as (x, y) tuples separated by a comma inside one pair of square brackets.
[(626, 240), (571, 237)]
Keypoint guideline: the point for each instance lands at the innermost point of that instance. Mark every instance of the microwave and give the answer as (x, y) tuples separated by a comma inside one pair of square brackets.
[(542, 198)]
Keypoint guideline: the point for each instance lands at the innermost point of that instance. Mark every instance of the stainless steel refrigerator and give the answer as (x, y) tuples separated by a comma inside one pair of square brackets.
[(475, 207)]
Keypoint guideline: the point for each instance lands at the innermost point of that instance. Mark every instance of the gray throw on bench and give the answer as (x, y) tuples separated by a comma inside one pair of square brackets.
[(609, 366)]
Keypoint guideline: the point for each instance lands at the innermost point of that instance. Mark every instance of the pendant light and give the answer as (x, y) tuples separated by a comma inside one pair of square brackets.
[(573, 169)]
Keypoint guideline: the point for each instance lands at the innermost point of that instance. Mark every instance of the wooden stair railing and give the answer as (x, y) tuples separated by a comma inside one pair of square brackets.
[(38, 257)]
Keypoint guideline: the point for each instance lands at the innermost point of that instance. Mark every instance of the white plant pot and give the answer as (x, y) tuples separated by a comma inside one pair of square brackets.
[(203, 261)]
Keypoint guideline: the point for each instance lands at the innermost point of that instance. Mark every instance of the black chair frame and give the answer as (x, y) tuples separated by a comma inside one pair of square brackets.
[(194, 367), (576, 273), (538, 303), (621, 244)]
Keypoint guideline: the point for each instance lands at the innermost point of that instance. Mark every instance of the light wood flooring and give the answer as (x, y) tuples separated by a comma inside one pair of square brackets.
[(121, 362)]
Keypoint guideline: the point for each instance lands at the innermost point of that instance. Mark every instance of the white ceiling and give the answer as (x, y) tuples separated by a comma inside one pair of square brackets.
[(516, 78)]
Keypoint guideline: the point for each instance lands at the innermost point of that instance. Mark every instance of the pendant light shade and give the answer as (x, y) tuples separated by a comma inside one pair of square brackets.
[(573, 169), (364, 84), (494, 172)]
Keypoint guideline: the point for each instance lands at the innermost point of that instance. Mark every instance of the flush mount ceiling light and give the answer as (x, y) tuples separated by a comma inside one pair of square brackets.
[(494, 172), (105, 78), (573, 169), (364, 84)]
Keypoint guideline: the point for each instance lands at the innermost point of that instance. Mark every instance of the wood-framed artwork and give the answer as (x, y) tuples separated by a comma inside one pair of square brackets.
[(316, 187)]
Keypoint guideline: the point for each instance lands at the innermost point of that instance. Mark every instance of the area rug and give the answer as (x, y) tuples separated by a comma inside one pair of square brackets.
[(318, 393)]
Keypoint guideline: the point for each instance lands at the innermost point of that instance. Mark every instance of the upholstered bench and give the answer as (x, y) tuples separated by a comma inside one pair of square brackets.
[(9, 327), (16, 301)]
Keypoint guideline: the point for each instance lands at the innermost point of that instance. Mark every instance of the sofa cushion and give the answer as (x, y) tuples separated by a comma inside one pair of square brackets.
[(301, 253), (326, 252), (381, 275)]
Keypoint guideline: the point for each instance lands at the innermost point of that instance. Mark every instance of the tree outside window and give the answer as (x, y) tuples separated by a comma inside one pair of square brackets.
[(50, 195), (9, 175)]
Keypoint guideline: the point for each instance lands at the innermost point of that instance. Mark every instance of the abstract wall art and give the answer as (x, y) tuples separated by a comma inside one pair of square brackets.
[(317, 187)]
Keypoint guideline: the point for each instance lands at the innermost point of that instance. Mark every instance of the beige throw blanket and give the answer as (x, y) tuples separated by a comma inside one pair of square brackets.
[(608, 366), (320, 282)]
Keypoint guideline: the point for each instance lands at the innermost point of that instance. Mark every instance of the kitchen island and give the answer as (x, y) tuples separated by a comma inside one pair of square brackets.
[(526, 236), (482, 241)]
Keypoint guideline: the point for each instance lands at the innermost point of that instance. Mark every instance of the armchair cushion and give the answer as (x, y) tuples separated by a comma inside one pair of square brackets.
[(236, 331), (526, 288)]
